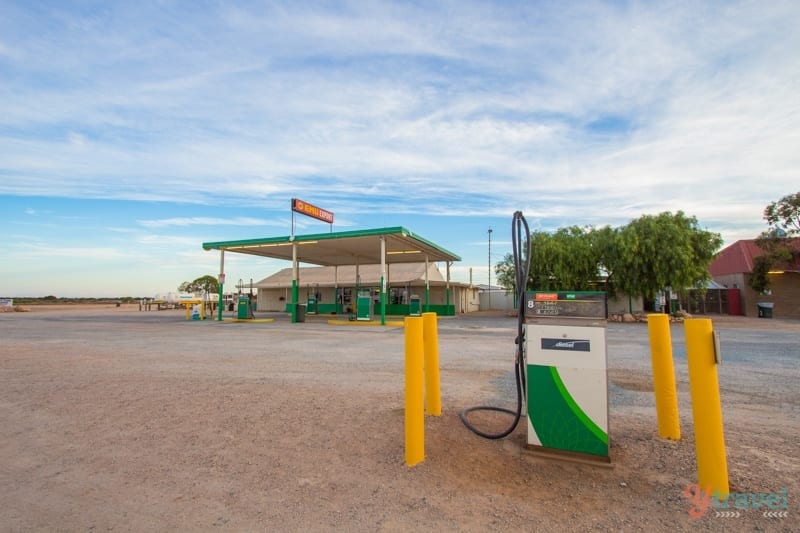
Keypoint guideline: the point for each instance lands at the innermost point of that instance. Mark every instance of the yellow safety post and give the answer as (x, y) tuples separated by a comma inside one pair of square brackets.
[(430, 336), (712, 465), (415, 415), (669, 426)]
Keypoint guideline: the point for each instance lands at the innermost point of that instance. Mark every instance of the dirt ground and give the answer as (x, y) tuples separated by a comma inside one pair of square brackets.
[(113, 418)]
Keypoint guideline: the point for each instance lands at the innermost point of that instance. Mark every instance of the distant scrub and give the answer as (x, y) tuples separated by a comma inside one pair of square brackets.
[(50, 299)]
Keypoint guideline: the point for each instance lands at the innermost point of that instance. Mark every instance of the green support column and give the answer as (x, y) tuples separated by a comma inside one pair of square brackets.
[(220, 303), (221, 280), (427, 298)]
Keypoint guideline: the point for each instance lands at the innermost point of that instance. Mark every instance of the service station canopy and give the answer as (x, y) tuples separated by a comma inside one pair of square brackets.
[(361, 247)]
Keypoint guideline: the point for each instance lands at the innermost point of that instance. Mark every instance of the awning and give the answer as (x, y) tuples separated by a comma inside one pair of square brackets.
[(360, 247)]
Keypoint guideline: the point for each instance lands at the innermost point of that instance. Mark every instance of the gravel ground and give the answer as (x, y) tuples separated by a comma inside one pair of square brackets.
[(117, 419)]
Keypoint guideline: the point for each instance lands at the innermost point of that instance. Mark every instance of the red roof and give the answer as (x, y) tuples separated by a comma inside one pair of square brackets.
[(738, 258)]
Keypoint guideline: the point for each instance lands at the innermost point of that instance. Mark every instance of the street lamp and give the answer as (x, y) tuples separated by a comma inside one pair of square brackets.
[(490, 259)]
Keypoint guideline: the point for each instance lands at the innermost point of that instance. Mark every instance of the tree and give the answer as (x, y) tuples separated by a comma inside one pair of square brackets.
[(785, 214), (505, 273), (544, 256), (206, 284), (540, 275), (605, 242), (641, 258), (565, 260), (778, 243), (665, 250), (579, 258)]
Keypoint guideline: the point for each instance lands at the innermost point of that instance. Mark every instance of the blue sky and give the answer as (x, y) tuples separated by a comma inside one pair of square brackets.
[(132, 132)]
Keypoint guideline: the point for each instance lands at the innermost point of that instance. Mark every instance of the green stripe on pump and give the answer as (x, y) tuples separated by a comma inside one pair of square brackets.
[(583, 417), (558, 421)]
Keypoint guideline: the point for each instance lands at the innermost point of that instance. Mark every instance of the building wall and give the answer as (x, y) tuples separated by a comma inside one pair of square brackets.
[(468, 299), (785, 294), (463, 299), (496, 300), (273, 300), (623, 304), (748, 295)]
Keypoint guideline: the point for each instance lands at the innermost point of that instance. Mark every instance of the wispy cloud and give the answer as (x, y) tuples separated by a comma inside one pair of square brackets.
[(41, 251), (207, 221)]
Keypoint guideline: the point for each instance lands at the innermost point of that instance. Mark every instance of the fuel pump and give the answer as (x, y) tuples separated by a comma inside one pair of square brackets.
[(560, 366)]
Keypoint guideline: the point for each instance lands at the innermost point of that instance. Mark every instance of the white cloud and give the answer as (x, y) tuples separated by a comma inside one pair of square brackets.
[(43, 251), (170, 241), (206, 221)]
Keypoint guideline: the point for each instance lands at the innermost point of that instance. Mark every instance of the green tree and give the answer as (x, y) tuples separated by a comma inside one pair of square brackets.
[(641, 258), (565, 260), (785, 214), (778, 243), (207, 284), (664, 250), (605, 242), (576, 259), (540, 275), (505, 273)]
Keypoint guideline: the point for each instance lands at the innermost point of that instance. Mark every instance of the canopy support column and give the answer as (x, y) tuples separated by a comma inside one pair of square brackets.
[(447, 289), (295, 282), (220, 302), (383, 281), (354, 297), (336, 297), (427, 286)]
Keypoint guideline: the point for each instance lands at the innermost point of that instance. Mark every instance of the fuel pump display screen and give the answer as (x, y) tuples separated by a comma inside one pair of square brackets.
[(576, 304)]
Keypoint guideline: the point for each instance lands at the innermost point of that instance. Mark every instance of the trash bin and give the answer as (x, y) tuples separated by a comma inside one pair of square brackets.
[(300, 313), (765, 309)]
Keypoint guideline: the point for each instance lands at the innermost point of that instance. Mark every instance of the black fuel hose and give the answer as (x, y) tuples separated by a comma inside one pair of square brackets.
[(522, 264)]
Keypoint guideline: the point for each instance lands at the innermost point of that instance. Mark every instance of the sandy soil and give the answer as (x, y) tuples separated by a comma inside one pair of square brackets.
[(117, 419)]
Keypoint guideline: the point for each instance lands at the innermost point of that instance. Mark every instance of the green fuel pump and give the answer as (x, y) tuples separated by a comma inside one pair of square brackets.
[(567, 374), (562, 374)]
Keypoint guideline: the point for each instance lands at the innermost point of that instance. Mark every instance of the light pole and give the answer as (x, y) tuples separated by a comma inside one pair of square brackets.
[(490, 260)]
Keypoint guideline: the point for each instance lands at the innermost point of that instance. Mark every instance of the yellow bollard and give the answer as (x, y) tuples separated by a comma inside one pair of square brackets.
[(433, 393), (415, 416), (669, 426), (712, 465)]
